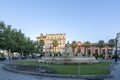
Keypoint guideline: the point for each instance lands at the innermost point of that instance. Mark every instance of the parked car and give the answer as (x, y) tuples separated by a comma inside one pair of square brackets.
[(35, 55), (2, 58)]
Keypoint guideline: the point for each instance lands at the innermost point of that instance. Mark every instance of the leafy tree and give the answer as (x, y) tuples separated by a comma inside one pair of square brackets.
[(55, 44), (2, 28), (15, 40), (101, 44), (73, 46)]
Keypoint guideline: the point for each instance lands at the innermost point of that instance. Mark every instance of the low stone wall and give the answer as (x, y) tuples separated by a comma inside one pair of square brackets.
[(38, 70)]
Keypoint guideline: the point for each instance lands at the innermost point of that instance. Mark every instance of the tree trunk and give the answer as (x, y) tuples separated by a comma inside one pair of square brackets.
[(85, 50), (100, 50), (92, 50), (55, 49), (73, 51)]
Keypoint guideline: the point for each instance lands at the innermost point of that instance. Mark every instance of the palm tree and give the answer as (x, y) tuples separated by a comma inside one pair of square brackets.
[(86, 45), (41, 43), (55, 44), (111, 43), (101, 44), (73, 46)]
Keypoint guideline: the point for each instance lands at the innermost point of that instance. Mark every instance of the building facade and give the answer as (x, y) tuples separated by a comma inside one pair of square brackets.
[(49, 38), (79, 50), (93, 49)]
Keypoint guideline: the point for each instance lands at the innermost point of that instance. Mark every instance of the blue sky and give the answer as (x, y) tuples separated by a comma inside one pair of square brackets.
[(81, 20)]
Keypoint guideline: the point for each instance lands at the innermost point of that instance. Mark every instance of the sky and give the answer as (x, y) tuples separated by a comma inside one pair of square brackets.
[(81, 20)]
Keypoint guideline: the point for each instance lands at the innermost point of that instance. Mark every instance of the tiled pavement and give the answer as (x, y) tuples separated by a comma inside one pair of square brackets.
[(6, 75), (115, 72)]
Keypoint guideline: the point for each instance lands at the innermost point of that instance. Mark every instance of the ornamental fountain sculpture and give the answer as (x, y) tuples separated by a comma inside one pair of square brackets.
[(67, 58)]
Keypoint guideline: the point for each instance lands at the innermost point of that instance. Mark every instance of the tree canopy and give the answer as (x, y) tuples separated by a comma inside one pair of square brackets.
[(14, 40), (111, 43)]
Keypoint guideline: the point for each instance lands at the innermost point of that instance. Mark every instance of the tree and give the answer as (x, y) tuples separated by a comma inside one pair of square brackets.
[(41, 43), (86, 45), (73, 46), (2, 28), (55, 44), (101, 44), (14, 40), (111, 43)]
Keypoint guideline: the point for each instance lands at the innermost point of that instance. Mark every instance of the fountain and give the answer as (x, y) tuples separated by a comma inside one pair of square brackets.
[(67, 58)]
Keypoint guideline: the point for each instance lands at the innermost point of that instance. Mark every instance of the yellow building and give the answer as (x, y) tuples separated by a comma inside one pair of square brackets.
[(49, 38)]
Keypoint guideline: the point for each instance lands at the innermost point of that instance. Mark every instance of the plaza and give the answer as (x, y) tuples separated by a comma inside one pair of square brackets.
[(59, 40), (17, 76)]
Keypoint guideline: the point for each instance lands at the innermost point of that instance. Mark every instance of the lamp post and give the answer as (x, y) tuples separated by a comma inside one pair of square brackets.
[(79, 68), (116, 50), (9, 55), (79, 61), (79, 50)]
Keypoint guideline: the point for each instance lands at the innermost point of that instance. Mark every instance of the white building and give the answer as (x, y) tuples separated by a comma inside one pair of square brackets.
[(118, 41)]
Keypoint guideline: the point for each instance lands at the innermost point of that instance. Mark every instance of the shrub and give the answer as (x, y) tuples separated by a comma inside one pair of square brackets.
[(54, 53), (102, 56), (1, 55), (96, 55), (50, 54), (114, 56), (83, 55), (59, 53)]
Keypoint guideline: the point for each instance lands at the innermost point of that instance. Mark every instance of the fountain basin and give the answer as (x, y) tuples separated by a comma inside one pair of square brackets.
[(68, 60)]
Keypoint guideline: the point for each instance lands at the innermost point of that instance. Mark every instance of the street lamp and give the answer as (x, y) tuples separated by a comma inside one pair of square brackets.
[(79, 68), (79, 60), (79, 50), (116, 40), (9, 55)]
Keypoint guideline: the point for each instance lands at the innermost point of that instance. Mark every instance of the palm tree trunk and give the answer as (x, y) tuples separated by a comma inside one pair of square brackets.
[(85, 50), (100, 50), (73, 52), (55, 49), (92, 50)]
